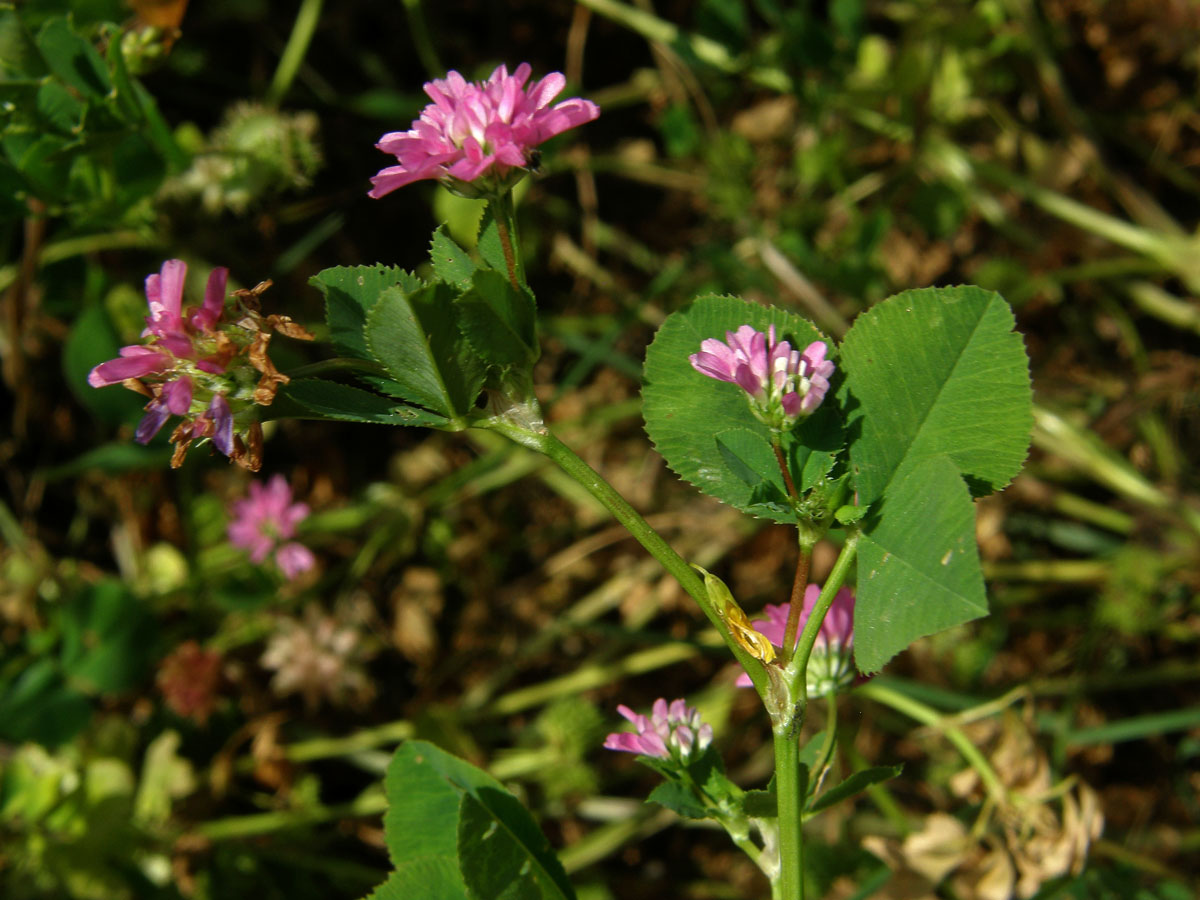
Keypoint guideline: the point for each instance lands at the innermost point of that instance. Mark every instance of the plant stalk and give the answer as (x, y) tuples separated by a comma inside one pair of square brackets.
[(798, 668), (293, 53), (929, 716), (519, 427), (827, 746), (790, 788), (799, 586), (506, 227), (422, 42)]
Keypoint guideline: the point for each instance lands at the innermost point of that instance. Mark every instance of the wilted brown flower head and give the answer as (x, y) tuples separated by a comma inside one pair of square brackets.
[(189, 679)]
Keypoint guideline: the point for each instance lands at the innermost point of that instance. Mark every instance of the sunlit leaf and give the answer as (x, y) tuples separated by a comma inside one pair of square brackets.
[(704, 428)]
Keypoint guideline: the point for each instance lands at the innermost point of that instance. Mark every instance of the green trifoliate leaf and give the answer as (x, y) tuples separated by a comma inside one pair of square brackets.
[(491, 250), (681, 800), (416, 339), (350, 293), (918, 564), (437, 878), (453, 831), (322, 399), (19, 56), (855, 784), (72, 58), (499, 322)]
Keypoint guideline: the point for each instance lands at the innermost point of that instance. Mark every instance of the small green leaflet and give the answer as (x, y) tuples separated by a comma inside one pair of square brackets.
[(454, 833)]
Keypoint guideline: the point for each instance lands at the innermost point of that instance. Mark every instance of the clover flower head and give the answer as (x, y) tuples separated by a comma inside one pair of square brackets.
[(207, 365), (322, 657), (782, 385), (479, 138), (672, 731), (831, 667), (190, 680), (265, 521)]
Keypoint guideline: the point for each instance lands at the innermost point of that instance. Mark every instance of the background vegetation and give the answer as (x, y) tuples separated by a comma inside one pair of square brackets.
[(176, 722)]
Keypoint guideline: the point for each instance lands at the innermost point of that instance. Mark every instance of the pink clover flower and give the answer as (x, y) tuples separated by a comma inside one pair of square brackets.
[(198, 364), (783, 385), (672, 730), (476, 131), (265, 521)]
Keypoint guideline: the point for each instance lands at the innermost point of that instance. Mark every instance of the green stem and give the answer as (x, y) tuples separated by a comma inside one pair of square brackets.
[(797, 670), (422, 42), (506, 227), (522, 425), (56, 251), (927, 715), (800, 580), (818, 772), (293, 54), (370, 803), (790, 792)]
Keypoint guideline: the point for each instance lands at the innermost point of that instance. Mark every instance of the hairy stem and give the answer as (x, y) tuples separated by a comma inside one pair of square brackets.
[(506, 228), (783, 467)]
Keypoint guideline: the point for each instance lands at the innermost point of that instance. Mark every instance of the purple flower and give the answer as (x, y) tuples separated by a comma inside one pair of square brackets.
[(671, 730), (477, 130), (783, 384), (830, 667), (265, 520), (200, 366)]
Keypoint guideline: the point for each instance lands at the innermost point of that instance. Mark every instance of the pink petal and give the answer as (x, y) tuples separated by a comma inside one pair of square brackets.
[(547, 89), (624, 741), (177, 395), (135, 362), (637, 719), (294, 559), (214, 300), (168, 290)]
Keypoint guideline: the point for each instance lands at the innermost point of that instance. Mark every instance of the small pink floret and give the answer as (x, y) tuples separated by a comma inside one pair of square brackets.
[(473, 130), (671, 729), (294, 560), (164, 294), (264, 520), (135, 361), (783, 384), (209, 314)]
